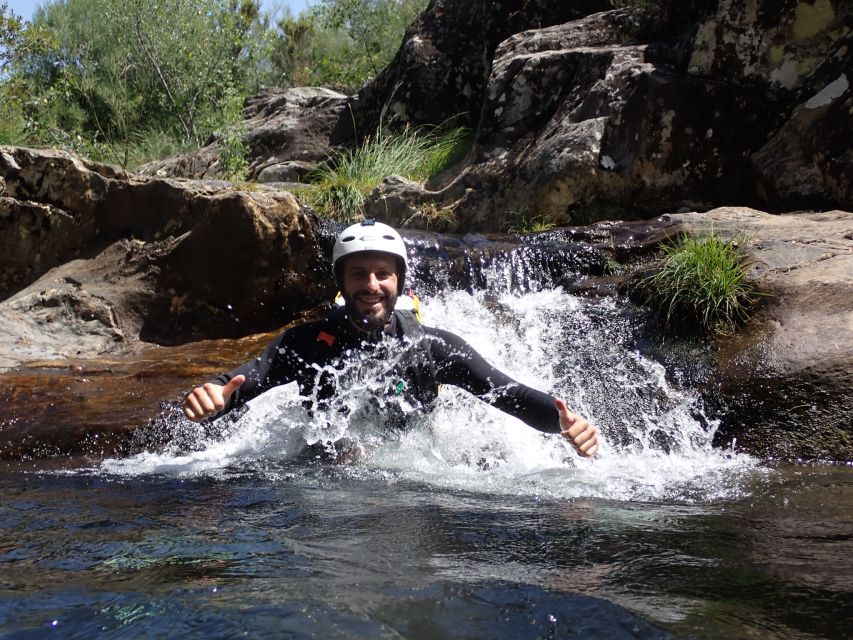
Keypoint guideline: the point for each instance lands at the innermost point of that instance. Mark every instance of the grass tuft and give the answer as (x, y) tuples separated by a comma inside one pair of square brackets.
[(340, 188), (522, 224), (702, 281)]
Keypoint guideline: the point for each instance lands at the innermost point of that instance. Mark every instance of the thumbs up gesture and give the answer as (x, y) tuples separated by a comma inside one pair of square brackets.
[(210, 398), (578, 430)]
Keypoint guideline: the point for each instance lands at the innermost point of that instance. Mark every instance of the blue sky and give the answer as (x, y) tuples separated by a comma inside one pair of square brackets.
[(26, 8)]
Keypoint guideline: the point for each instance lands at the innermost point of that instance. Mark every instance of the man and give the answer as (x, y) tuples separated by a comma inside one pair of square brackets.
[(370, 264)]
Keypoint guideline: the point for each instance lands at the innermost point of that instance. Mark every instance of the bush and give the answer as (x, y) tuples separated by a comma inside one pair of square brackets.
[(702, 282)]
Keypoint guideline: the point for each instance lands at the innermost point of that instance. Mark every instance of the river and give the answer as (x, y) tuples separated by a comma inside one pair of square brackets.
[(466, 525)]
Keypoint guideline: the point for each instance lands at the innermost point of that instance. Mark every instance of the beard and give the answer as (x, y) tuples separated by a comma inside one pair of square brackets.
[(374, 320)]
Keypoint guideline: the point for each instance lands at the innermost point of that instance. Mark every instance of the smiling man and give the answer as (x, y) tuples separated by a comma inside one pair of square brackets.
[(370, 265)]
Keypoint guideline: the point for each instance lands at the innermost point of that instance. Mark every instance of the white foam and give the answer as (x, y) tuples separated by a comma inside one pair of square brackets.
[(654, 447)]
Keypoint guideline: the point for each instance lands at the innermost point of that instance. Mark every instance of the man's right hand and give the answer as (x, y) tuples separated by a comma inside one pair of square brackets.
[(209, 399)]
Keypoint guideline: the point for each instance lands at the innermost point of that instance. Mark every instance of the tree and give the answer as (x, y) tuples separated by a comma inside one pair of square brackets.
[(340, 43), (117, 71), (18, 42)]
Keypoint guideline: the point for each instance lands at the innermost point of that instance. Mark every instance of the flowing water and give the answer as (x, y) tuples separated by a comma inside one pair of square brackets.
[(466, 525)]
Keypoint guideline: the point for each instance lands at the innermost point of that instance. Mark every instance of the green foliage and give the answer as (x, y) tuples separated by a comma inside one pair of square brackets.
[(612, 267), (342, 185), (118, 80), (234, 155), (340, 43), (702, 281), (109, 74), (18, 42), (522, 223)]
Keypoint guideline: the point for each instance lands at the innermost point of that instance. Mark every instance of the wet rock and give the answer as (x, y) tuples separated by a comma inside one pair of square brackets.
[(784, 383), (108, 407), (622, 239)]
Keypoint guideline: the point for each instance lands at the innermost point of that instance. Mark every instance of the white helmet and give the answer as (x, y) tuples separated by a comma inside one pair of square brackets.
[(369, 235)]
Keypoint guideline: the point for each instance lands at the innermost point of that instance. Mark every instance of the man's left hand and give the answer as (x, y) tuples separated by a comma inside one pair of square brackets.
[(578, 430)]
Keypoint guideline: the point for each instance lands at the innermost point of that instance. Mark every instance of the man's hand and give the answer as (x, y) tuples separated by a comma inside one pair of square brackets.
[(209, 399), (578, 430)]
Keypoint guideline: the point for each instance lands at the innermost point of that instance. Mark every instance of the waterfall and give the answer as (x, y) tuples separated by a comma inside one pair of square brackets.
[(656, 436)]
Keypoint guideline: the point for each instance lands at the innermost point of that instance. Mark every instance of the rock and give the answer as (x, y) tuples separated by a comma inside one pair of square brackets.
[(292, 171), (806, 162), (599, 130), (250, 264), (582, 113), (780, 45), (441, 69), (58, 206), (291, 125), (397, 201), (582, 120), (784, 383), (101, 263)]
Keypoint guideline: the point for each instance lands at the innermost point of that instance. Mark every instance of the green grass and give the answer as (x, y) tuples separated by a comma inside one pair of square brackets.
[(702, 282), (522, 224), (339, 189)]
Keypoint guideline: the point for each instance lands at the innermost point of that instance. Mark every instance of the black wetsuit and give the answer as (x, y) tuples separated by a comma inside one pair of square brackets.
[(435, 357)]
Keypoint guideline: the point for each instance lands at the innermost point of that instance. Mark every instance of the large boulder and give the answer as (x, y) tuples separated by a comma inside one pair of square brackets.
[(784, 383), (441, 70), (573, 126), (102, 263), (581, 112), (577, 125), (802, 53)]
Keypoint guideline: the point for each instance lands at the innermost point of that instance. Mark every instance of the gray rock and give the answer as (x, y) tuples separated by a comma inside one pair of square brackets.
[(103, 263), (806, 161), (291, 171), (291, 125), (442, 67), (786, 380)]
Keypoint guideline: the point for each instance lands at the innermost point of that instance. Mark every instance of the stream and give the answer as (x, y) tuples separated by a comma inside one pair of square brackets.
[(467, 524)]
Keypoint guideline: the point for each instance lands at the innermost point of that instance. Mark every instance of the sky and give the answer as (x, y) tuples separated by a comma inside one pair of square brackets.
[(26, 8)]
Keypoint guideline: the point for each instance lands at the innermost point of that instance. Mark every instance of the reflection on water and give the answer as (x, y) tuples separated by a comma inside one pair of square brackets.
[(288, 549)]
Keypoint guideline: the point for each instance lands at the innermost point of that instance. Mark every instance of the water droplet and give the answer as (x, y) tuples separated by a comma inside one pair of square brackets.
[(552, 619), (54, 623)]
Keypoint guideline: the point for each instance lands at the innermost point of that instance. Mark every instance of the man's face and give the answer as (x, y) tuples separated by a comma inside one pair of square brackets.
[(370, 289)]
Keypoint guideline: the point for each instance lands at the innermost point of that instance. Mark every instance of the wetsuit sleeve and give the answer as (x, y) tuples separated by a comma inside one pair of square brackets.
[(279, 364), (458, 364)]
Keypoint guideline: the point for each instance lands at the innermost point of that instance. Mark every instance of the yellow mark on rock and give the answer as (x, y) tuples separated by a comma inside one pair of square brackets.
[(811, 19)]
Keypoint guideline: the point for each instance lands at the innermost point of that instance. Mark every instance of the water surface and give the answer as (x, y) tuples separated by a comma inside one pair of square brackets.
[(467, 525)]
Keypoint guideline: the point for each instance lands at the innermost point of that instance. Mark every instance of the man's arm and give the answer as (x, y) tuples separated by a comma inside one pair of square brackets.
[(275, 366), (458, 364)]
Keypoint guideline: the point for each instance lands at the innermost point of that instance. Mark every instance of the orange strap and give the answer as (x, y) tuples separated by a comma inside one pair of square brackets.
[(328, 338)]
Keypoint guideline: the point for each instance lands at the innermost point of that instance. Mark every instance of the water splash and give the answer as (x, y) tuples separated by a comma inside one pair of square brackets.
[(657, 439)]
